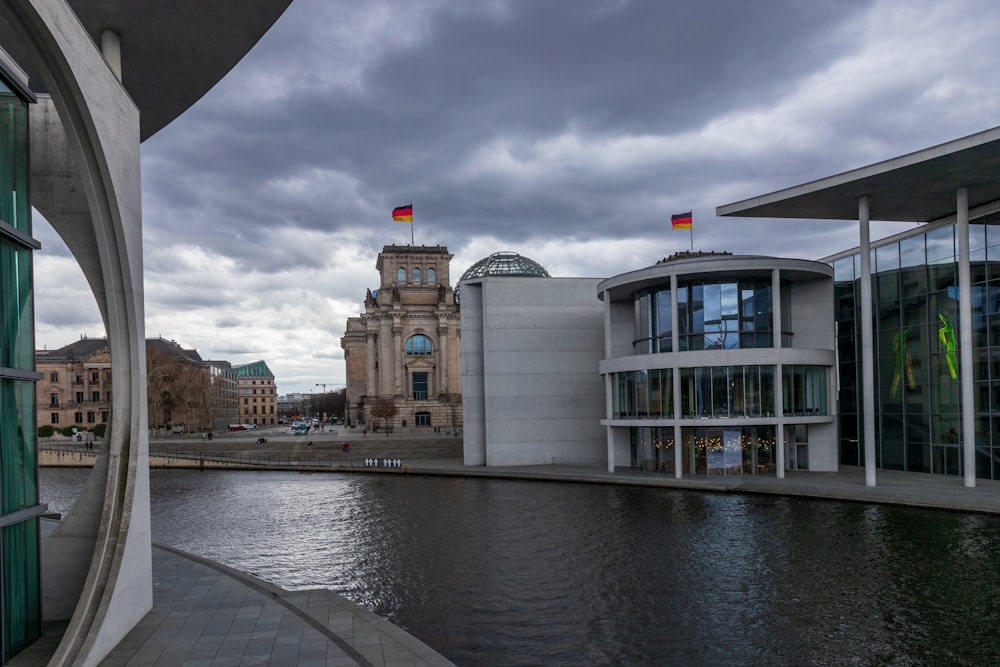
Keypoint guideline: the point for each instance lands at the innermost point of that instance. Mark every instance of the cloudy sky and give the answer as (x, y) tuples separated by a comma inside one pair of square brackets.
[(565, 130)]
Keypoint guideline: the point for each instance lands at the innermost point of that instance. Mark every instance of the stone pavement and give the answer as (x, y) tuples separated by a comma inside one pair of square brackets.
[(206, 614)]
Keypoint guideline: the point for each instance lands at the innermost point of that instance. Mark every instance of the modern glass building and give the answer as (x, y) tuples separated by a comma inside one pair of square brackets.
[(721, 364), (20, 594), (916, 313), (916, 333)]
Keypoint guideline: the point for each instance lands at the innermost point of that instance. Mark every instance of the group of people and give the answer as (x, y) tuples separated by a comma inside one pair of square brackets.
[(86, 437), (383, 463)]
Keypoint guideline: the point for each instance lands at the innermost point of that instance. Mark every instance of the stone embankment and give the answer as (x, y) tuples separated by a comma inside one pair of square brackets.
[(279, 450)]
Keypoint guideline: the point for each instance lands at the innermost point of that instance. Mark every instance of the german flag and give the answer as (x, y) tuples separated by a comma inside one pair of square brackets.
[(403, 213), (681, 220)]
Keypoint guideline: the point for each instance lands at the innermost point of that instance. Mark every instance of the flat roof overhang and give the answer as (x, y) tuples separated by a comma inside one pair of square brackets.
[(917, 187), (172, 51)]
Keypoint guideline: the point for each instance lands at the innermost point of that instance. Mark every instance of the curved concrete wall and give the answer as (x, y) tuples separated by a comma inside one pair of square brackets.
[(85, 162)]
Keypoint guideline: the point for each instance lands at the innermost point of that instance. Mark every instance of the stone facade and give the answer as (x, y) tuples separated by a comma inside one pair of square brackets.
[(258, 394), (405, 346), (75, 389), (186, 394)]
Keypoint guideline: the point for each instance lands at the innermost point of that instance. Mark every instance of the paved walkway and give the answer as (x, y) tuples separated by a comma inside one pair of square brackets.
[(892, 487), (208, 615)]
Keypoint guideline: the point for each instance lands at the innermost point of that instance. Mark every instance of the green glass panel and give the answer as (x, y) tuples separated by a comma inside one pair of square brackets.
[(18, 462), (14, 209), (21, 592), (16, 310)]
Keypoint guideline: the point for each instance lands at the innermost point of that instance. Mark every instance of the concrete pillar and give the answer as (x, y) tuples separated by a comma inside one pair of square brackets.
[(473, 376), (111, 49), (397, 359), (675, 374), (442, 358), (609, 387), (867, 345), (385, 357), (965, 339), (370, 352), (779, 403)]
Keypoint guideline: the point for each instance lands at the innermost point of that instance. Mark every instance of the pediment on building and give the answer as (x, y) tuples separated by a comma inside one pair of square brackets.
[(420, 364)]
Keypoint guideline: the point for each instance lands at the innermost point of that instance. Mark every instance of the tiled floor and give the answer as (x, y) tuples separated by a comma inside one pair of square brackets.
[(205, 614)]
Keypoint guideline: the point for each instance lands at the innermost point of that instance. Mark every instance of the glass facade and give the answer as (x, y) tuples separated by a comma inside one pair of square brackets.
[(706, 450), (719, 315), (720, 392), (915, 323), (20, 601), (722, 315)]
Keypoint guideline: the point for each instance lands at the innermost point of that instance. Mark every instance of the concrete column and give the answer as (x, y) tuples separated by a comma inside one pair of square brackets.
[(609, 411), (111, 49), (609, 387), (965, 339), (442, 358), (779, 403), (385, 358), (867, 346), (675, 373), (372, 381), (397, 358), (473, 376)]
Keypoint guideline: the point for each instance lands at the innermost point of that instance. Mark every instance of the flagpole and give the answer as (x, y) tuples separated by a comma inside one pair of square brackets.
[(412, 223), (692, 237)]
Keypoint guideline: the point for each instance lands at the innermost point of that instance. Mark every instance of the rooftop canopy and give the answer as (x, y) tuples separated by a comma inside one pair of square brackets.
[(172, 51), (918, 187)]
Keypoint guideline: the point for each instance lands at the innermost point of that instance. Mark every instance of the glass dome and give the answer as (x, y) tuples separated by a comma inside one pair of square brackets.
[(505, 263)]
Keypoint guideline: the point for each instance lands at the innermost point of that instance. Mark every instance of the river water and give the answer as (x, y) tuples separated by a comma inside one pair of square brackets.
[(500, 572)]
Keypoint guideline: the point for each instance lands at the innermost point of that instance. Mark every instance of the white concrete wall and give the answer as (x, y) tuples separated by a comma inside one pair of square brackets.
[(812, 314), (473, 399), (85, 180), (823, 447), (622, 328), (543, 397)]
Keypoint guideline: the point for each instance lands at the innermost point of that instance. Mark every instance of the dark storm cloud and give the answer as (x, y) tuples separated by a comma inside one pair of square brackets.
[(516, 72), (565, 130)]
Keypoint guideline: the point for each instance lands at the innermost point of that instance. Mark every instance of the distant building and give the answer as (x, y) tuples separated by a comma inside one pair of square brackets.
[(75, 388), (184, 393), (224, 405), (405, 346), (258, 394)]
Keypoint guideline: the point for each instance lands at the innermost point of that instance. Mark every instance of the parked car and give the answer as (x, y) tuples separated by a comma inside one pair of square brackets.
[(249, 427), (300, 430), (237, 427)]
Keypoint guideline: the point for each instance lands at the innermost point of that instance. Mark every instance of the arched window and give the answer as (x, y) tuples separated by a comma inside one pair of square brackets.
[(431, 274), (401, 274), (416, 274), (419, 344)]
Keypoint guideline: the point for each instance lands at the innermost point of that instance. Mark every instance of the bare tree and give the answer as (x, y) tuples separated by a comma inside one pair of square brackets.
[(176, 390), (384, 409)]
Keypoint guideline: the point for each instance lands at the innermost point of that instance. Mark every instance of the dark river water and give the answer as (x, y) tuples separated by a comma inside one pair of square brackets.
[(497, 572)]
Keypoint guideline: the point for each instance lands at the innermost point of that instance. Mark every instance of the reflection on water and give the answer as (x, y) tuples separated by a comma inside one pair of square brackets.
[(532, 573)]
